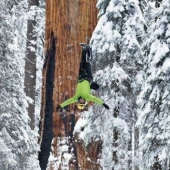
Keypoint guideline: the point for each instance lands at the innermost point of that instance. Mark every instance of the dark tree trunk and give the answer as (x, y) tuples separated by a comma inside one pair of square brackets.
[(156, 165), (157, 3), (30, 65), (115, 136), (136, 147)]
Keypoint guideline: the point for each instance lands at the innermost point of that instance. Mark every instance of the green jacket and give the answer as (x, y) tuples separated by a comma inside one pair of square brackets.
[(82, 90)]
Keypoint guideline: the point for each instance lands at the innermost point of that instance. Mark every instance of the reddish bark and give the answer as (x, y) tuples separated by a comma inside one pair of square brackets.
[(71, 22)]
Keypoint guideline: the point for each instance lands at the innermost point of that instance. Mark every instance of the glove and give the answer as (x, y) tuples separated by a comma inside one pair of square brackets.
[(106, 106), (58, 107)]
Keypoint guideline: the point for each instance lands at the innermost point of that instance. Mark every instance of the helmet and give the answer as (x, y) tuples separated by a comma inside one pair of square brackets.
[(81, 103), (81, 106)]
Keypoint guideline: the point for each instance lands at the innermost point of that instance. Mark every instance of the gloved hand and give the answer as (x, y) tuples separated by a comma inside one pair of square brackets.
[(106, 106), (58, 107)]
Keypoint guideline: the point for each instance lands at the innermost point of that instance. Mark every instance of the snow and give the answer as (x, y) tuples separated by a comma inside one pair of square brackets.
[(166, 65), (160, 50), (30, 100), (79, 125), (105, 39), (18, 142), (132, 68), (64, 148)]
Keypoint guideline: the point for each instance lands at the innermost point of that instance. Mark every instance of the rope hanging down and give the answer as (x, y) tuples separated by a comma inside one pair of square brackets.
[(87, 21)]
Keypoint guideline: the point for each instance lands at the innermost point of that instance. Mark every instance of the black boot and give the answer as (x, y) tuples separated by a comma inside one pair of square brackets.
[(94, 86), (85, 46), (86, 52)]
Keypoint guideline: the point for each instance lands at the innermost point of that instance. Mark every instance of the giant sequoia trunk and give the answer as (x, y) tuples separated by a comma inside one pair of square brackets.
[(68, 22)]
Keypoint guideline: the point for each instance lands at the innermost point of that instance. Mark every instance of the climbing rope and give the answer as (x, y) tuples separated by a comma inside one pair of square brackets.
[(87, 20)]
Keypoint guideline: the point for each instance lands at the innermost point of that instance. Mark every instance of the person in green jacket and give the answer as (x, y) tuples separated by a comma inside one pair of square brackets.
[(84, 84)]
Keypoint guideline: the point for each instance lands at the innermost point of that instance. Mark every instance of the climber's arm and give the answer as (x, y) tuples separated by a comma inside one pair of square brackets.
[(95, 99), (69, 101)]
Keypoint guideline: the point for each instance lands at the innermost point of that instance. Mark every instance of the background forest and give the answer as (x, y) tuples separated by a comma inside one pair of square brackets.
[(131, 54)]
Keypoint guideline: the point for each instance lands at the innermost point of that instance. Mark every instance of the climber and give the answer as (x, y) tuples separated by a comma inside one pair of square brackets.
[(84, 84)]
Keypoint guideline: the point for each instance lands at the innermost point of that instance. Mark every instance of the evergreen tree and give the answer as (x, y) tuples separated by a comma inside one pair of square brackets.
[(116, 48), (154, 98), (18, 143)]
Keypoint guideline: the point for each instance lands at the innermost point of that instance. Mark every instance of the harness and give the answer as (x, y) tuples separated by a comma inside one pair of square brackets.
[(81, 78)]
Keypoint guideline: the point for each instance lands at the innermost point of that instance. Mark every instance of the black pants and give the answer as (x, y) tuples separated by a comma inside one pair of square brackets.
[(85, 67)]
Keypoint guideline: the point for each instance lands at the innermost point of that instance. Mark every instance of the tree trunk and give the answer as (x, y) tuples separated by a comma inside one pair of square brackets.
[(70, 22), (115, 137), (136, 147), (30, 66), (156, 165), (158, 3)]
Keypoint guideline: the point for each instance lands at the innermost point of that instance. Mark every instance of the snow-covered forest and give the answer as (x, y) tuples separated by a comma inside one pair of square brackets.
[(18, 142), (131, 62)]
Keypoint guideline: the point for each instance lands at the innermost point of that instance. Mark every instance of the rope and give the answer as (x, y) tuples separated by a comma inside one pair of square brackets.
[(87, 21)]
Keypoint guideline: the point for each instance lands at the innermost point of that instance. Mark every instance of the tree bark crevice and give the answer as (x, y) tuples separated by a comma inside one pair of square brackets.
[(46, 124)]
